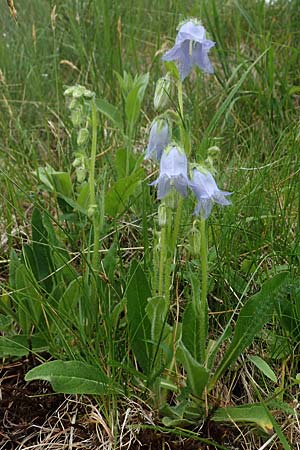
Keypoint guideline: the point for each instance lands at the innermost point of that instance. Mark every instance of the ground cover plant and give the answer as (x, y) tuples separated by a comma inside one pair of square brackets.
[(150, 222)]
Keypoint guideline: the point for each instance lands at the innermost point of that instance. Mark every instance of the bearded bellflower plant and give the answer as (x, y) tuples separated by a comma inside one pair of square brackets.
[(182, 348)]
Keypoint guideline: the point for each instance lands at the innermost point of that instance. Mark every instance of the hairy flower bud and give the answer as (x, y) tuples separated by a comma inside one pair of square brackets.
[(83, 136), (162, 215), (162, 92), (77, 117)]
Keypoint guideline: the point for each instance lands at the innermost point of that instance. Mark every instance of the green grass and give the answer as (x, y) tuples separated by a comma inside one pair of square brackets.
[(258, 133)]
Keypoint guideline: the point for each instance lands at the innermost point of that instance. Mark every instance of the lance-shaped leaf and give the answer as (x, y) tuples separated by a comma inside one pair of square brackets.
[(72, 377), (137, 294), (254, 314)]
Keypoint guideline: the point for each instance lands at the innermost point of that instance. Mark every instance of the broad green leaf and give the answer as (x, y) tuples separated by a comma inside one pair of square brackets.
[(156, 312), (116, 198), (121, 162), (71, 297), (72, 377), (83, 198), (183, 414), (44, 175), (135, 97), (191, 335), (246, 413), (254, 314), (6, 305), (62, 183), (5, 322), (14, 263), (109, 262), (21, 345), (137, 294), (197, 375), (195, 322), (73, 204), (111, 112), (263, 367)]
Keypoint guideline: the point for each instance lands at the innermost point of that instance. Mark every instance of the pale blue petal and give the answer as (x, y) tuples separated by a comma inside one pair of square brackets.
[(191, 31), (203, 208), (181, 183), (200, 58), (173, 54), (164, 186), (173, 162), (221, 199), (185, 63), (158, 139)]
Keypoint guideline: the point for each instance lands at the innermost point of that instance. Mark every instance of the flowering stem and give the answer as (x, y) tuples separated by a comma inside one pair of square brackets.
[(93, 205), (93, 154), (180, 98), (177, 222), (163, 255), (203, 296)]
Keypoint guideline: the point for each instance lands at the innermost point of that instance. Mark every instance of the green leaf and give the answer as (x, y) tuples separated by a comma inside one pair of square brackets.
[(133, 106), (121, 162), (72, 377), (62, 183), (254, 314), (137, 294), (28, 299), (156, 312), (263, 367), (246, 413), (70, 297), (197, 375), (14, 263), (135, 97), (116, 198), (191, 336), (83, 198), (5, 322), (43, 268), (109, 262), (21, 345), (183, 414), (111, 112)]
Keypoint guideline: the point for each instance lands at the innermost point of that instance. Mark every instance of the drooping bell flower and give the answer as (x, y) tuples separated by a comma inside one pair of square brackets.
[(207, 193), (159, 138), (172, 172), (191, 49)]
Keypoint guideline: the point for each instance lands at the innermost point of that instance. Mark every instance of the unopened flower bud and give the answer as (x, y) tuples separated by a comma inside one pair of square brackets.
[(83, 136), (162, 215), (76, 117), (195, 241), (78, 91), (80, 174), (162, 92), (91, 210)]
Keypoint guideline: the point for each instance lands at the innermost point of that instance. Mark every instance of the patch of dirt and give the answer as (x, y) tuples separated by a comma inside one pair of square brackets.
[(151, 440), (32, 417)]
